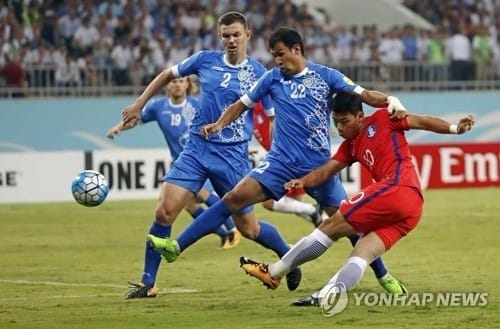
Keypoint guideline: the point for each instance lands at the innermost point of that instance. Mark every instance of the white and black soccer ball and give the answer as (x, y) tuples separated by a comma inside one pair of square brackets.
[(90, 188)]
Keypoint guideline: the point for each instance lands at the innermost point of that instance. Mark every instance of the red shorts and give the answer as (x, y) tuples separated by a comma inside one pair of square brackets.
[(391, 211), (295, 192)]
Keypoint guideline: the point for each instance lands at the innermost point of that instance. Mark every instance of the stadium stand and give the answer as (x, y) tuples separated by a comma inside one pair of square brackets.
[(114, 47)]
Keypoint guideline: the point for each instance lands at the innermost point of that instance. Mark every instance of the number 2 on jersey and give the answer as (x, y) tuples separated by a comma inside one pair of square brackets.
[(225, 82)]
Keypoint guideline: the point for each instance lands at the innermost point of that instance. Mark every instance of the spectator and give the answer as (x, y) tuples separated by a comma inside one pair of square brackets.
[(14, 74), (85, 36), (459, 52), (138, 76), (68, 24), (102, 47), (68, 73), (435, 56), (391, 50), (409, 39), (31, 14), (50, 32), (122, 60), (147, 60), (88, 70), (482, 53), (496, 58)]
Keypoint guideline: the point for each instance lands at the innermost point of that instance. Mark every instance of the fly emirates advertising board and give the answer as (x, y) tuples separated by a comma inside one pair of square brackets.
[(138, 173)]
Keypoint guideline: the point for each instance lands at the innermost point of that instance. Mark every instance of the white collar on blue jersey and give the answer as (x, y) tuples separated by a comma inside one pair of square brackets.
[(303, 72), (231, 65), (177, 105)]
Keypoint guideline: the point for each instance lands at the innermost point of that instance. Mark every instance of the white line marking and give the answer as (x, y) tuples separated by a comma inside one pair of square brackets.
[(65, 284), (8, 299)]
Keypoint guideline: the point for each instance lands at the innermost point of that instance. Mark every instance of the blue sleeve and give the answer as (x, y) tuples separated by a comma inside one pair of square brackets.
[(149, 111), (260, 91), (190, 65), (340, 82)]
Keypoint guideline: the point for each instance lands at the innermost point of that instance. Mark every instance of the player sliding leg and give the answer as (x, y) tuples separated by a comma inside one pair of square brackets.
[(238, 203), (228, 233)]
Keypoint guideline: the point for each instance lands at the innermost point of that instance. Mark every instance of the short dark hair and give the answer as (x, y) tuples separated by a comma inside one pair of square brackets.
[(231, 17), (288, 36), (347, 103)]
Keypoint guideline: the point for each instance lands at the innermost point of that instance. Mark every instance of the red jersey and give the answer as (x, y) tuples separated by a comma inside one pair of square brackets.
[(382, 148), (261, 126)]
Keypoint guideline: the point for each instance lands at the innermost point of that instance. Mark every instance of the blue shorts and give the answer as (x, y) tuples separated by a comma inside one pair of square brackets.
[(273, 174), (208, 186), (223, 164)]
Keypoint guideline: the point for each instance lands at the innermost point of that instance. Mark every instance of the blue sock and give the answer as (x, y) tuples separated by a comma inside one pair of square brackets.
[(270, 238), (207, 223), (152, 258), (377, 265), (229, 224), (212, 199), (220, 231), (198, 212)]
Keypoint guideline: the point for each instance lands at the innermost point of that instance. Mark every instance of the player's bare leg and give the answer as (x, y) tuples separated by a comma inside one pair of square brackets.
[(173, 199)]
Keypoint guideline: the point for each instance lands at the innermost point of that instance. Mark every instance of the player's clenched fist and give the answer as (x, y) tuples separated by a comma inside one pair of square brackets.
[(465, 124)]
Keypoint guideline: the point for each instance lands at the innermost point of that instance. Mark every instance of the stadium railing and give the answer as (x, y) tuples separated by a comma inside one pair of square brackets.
[(408, 76)]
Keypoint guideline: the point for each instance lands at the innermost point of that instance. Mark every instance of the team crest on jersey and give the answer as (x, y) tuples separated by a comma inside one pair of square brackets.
[(371, 131), (243, 75), (188, 112), (308, 82)]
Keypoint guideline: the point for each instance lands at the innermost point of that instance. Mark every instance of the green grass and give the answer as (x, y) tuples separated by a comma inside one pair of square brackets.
[(66, 266)]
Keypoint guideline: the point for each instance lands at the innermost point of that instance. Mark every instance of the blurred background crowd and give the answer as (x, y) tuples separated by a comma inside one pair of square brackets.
[(71, 43)]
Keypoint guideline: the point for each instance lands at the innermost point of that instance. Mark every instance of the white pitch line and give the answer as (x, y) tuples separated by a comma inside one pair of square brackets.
[(65, 284), (8, 299)]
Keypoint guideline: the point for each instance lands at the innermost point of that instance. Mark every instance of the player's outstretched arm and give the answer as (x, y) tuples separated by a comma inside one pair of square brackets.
[(118, 128), (132, 113), (232, 113), (317, 176), (378, 99), (440, 126)]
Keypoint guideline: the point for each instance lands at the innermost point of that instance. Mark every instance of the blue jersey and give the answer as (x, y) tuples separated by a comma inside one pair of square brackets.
[(222, 84), (302, 105), (173, 119)]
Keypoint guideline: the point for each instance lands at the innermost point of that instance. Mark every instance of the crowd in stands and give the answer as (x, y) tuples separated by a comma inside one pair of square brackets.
[(127, 42)]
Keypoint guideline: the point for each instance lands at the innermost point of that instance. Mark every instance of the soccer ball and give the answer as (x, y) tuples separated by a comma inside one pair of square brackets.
[(90, 188)]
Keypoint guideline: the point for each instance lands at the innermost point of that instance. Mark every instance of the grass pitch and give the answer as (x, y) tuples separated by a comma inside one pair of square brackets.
[(66, 266)]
